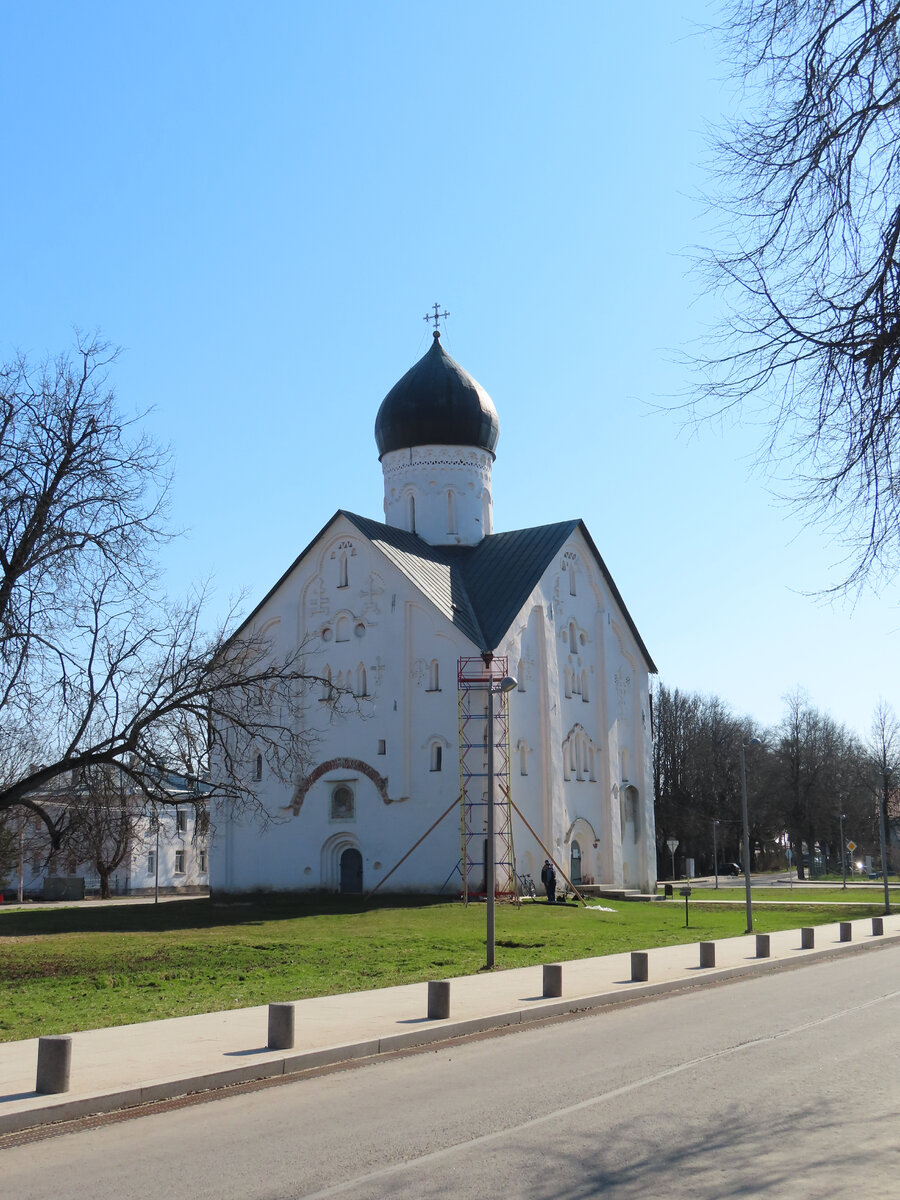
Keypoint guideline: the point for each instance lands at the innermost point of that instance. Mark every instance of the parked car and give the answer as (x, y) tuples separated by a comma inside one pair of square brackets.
[(730, 869)]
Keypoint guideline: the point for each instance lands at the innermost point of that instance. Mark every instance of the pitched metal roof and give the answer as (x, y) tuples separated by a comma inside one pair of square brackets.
[(479, 589)]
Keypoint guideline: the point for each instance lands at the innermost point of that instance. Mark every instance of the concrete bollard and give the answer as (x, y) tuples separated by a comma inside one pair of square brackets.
[(707, 954), (640, 966), (552, 979), (807, 938), (762, 945), (54, 1063), (877, 926), (281, 1027), (846, 931), (438, 999)]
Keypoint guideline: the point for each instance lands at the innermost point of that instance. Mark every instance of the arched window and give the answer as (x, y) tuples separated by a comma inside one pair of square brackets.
[(326, 684), (342, 629), (523, 749), (571, 580), (343, 807), (568, 678), (437, 756), (361, 688), (584, 687), (343, 577), (259, 767), (412, 512), (434, 678), (451, 513)]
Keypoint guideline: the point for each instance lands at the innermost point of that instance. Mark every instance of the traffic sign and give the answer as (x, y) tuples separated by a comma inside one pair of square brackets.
[(851, 846)]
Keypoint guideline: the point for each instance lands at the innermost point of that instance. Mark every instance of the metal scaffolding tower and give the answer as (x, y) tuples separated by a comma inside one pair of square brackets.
[(476, 679)]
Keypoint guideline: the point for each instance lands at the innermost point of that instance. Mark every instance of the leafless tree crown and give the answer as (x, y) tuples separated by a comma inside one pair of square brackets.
[(809, 187)]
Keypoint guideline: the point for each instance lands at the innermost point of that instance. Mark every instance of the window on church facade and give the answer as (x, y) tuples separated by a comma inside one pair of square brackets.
[(437, 756), (451, 514), (434, 681), (343, 807), (343, 577), (571, 582), (258, 767), (361, 682), (342, 629), (412, 513), (326, 684)]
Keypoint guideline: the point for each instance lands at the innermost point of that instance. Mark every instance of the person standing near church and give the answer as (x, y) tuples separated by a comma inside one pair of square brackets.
[(548, 879)]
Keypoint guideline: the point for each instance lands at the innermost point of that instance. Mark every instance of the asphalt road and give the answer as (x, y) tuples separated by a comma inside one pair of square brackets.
[(780, 1086)]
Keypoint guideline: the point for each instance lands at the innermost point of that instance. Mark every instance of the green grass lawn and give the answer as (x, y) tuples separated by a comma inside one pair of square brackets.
[(88, 967)]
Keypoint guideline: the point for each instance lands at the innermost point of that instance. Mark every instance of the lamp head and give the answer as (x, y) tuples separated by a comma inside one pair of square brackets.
[(507, 684)]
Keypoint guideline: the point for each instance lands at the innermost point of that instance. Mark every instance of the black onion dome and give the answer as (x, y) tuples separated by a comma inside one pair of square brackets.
[(436, 403)]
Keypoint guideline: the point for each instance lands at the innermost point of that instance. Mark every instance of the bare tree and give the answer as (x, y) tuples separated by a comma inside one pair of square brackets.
[(810, 192), (884, 749), (98, 669)]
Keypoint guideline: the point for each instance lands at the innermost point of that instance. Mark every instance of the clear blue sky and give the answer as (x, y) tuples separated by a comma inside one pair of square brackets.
[(259, 203)]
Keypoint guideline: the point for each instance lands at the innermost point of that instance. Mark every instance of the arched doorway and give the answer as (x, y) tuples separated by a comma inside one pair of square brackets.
[(351, 872), (575, 864)]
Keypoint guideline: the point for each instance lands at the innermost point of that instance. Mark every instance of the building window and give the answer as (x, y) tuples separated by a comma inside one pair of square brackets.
[(181, 821), (572, 586), (412, 513), (451, 514), (201, 860), (179, 862), (362, 688), (382, 746), (342, 804), (437, 756), (342, 629), (258, 767), (151, 863), (343, 578), (434, 678), (326, 684)]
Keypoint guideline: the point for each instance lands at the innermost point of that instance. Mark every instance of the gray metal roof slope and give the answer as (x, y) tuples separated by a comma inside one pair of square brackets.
[(434, 572), (479, 589), (482, 589)]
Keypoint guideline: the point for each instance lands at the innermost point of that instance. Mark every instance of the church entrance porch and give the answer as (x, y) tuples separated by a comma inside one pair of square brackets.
[(351, 872)]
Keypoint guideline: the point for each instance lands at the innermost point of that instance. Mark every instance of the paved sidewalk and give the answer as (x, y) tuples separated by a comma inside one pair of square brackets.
[(158, 1060)]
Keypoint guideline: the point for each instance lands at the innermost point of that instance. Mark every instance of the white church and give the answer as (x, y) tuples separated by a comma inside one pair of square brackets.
[(412, 622)]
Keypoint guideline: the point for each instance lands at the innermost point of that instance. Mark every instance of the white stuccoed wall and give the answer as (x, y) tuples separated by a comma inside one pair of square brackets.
[(450, 488), (379, 621)]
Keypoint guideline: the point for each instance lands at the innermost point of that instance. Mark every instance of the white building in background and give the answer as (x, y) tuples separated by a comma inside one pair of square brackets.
[(169, 854), (390, 610)]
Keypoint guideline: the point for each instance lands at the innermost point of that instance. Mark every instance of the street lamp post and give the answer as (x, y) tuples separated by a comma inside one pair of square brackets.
[(842, 818), (506, 684), (882, 828), (749, 901), (715, 854)]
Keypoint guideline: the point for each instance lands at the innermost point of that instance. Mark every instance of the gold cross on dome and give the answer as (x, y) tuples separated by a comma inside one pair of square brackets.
[(437, 316)]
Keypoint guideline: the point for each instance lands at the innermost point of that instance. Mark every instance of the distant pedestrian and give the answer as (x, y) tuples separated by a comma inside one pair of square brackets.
[(548, 879)]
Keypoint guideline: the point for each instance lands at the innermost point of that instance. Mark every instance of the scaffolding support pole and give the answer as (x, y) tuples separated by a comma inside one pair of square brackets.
[(547, 852), (445, 813)]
